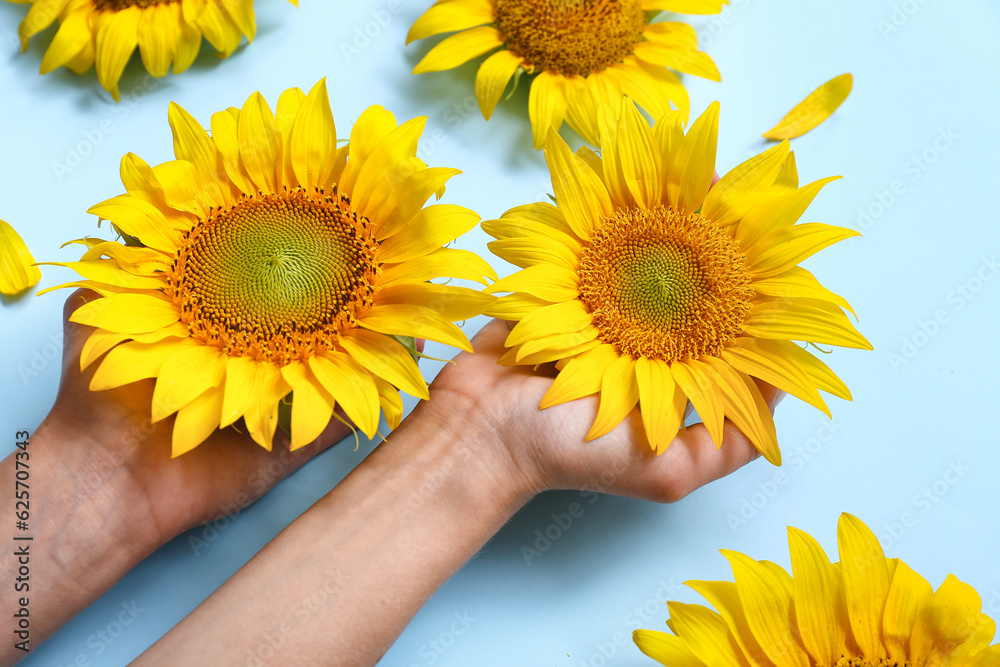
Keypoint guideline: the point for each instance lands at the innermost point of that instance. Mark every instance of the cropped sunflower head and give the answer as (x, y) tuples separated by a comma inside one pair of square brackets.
[(864, 611), (584, 52), (106, 32), (650, 286), (265, 261)]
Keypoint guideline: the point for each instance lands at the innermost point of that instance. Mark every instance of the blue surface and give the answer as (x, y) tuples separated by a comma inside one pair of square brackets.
[(918, 443)]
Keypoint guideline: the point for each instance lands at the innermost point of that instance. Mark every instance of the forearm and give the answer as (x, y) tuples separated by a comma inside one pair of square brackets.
[(82, 537), (341, 582)]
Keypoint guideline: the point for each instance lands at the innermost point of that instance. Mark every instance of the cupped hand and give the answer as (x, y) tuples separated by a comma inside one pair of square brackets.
[(548, 448), (109, 437)]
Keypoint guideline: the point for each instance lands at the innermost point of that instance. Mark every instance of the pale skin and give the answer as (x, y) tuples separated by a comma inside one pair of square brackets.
[(378, 545)]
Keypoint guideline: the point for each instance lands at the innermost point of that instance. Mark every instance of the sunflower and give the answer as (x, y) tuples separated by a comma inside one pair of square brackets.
[(108, 31), (265, 260), (649, 285), (584, 52), (865, 611)]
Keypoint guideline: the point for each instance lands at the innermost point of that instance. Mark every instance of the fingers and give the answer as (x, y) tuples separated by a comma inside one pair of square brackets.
[(75, 335)]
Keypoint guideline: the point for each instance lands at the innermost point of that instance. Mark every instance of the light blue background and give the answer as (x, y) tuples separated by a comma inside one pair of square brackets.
[(925, 89)]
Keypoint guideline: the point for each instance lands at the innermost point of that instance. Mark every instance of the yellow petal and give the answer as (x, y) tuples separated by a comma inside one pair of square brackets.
[(740, 189), (196, 421), (566, 317), (133, 361), (908, 593), (451, 302), (258, 142), (797, 283), (193, 144), (492, 79), (311, 410), (661, 404), (685, 6), (219, 29), (395, 210), (108, 271), (675, 45), (693, 168), (387, 359), (556, 347), (666, 648), (314, 138), (545, 281), (619, 395), (351, 386), (127, 313), (805, 320), (771, 214), (117, 38), (546, 105), (948, 619), (391, 403), (769, 610), (866, 583), (458, 49), (744, 405), (451, 16), (17, 267), (786, 247), (697, 382), (814, 109), (815, 599), (581, 376), (185, 375), (515, 306), (767, 360), (580, 193), (705, 632), (723, 595), (442, 262), (656, 89), (427, 231), (261, 418), (225, 134), (533, 250), (157, 37), (370, 130), (243, 377), (73, 37), (140, 219), (285, 112), (417, 321), (641, 162), (582, 107)]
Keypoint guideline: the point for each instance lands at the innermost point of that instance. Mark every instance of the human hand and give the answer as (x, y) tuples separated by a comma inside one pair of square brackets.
[(109, 437), (547, 447)]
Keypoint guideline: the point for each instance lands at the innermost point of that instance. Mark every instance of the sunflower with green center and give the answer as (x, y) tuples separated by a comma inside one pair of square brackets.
[(106, 32), (584, 52), (864, 611), (650, 286), (265, 261)]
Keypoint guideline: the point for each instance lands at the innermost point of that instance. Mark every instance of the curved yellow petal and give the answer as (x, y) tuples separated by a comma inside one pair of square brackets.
[(73, 37), (451, 16), (196, 421), (738, 191), (619, 395), (815, 599), (566, 317), (666, 648), (314, 138), (641, 162), (771, 214), (724, 596), (387, 359), (767, 360), (908, 593), (459, 49), (351, 386), (705, 633), (225, 135), (157, 39), (185, 375), (806, 320), (661, 404), (546, 105), (261, 418), (117, 38), (785, 248), (814, 109), (698, 384), (545, 281), (693, 169), (866, 583), (127, 313), (580, 193), (390, 401), (797, 283), (442, 262), (417, 321), (492, 79), (451, 302), (311, 409), (556, 347), (949, 618), (581, 376), (685, 6), (133, 361), (258, 142), (18, 271), (746, 408), (427, 231)]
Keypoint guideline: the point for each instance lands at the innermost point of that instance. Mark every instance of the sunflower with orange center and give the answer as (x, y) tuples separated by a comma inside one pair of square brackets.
[(107, 32), (650, 286), (864, 611), (266, 261), (584, 53)]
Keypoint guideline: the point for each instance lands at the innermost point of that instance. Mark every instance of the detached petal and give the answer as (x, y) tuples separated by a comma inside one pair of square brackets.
[(813, 110), (17, 267)]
